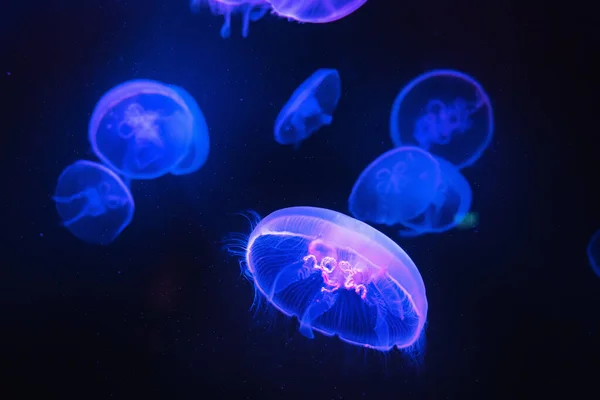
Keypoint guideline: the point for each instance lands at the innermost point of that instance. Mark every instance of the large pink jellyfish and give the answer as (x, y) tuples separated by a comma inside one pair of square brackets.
[(315, 11)]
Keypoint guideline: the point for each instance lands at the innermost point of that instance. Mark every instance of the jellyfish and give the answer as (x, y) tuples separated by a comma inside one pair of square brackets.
[(93, 203), (337, 276), (251, 10), (311, 106), (199, 148), (398, 186), (445, 112), (142, 129), (593, 252), (449, 207), (315, 11)]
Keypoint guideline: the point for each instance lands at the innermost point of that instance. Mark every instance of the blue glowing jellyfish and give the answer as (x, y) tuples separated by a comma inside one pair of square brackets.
[(315, 11), (398, 186), (448, 208), (593, 252), (142, 129), (311, 106), (198, 150), (338, 276), (445, 112), (93, 202), (251, 10)]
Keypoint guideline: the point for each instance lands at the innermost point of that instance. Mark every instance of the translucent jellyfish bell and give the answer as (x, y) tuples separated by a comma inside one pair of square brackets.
[(593, 252), (398, 186), (448, 208), (142, 129), (199, 148), (315, 11), (445, 112), (310, 107), (251, 11), (338, 276), (93, 202)]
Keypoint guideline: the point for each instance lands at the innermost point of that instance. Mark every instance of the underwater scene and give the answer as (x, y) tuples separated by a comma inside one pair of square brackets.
[(292, 199)]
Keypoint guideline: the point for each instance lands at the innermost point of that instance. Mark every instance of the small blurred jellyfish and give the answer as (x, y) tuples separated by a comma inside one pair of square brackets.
[(144, 129), (338, 276), (199, 148), (310, 107), (449, 207), (251, 10), (445, 112), (409, 187), (93, 202), (470, 221), (593, 252), (398, 186), (315, 11)]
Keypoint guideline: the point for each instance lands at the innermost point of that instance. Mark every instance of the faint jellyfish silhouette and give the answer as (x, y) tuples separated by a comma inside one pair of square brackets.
[(251, 11), (398, 186), (593, 252), (315, 11), (93, 202), (310, 107), (445, 112), (448, 208), (142, 129), (338, 276), (199, 148)]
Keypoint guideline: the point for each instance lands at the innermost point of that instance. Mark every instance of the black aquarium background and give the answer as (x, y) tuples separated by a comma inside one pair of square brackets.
[(164, 313)]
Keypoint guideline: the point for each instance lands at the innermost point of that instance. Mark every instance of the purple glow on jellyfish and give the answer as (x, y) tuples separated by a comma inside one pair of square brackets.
[(250, 10), (315, 11), (337, 276)]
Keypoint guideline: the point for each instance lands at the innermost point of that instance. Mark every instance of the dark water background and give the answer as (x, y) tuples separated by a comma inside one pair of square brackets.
[(163, 312)]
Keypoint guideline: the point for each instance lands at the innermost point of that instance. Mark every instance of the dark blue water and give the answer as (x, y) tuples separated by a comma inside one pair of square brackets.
[(163, 312)]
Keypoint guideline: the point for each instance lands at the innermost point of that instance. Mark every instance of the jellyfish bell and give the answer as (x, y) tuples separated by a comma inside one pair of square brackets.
[(449, 207), (142, 129), (94, 204), (315, 11), (337, 276), (310, 107), (198, 150), (398, 185), (445, 112), (250, 10)]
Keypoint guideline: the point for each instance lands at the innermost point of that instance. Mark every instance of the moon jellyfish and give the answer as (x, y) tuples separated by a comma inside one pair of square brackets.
[(449, 207), (398, 186), (338, 276), (142, 129), (310, 107), (199, 148), (315, 11), (445, 112), (593, 252), (251, 11), (93, 202)]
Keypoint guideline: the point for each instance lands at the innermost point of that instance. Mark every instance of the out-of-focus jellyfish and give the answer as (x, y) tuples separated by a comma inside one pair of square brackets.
[(311, 106), (251, 11), (398, 186), (315, 11), (448, 208), (593, 252), (445, 112), (199, 148), (142, 129), (93, 202), (338, 276), (470, 221)]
